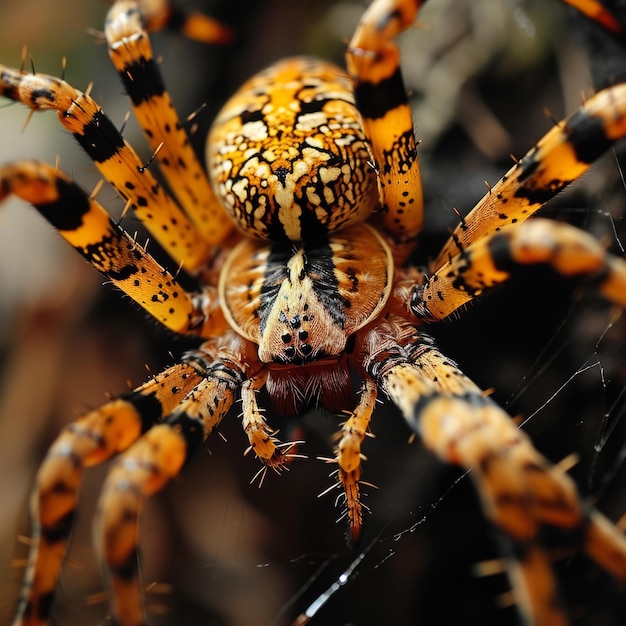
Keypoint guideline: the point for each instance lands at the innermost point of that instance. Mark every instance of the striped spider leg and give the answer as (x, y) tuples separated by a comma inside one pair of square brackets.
[(521, 492)]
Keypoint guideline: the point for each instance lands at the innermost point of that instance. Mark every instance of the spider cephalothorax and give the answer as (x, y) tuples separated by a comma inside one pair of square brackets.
[(309, 289)]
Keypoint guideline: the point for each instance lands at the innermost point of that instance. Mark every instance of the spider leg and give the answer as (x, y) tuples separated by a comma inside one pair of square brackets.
[(144, 469), (491, 260), (85, 224), (519, 489), (595, 11), (131, 54), (559, 158), (115, 159), (373, 60), (89, 441), (159, 455), (349, 456), (268, 449), (160, 14)]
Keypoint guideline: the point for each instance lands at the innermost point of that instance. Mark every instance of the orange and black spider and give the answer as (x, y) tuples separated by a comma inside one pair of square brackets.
[(299, 243)]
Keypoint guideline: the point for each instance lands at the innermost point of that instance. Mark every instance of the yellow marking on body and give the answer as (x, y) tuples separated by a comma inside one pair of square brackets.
[(269, 160)]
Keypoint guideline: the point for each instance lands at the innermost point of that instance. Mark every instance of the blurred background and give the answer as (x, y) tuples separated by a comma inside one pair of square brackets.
[(481, 74)]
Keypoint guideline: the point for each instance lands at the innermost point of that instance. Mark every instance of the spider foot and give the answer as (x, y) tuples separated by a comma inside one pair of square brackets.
[(282, 453), (349, 500), (348, 456), (272, 452), (353, 505), (266, 447)]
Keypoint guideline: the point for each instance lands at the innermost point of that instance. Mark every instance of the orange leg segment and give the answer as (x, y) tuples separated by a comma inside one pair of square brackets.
[(115, 159), (490, 261), (560, 157), (373, 60), (131, 54), (519, 489), (88, 228), (89, 441), (144, 469)]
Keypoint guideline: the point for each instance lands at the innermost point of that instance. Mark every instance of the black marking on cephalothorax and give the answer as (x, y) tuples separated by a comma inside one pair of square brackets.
[(275, 273), (319, 265)]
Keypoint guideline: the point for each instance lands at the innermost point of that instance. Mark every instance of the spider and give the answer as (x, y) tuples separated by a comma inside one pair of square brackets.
[(299, 250)]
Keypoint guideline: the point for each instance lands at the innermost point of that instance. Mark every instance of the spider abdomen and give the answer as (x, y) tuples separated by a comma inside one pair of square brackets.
[(288, 155)]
